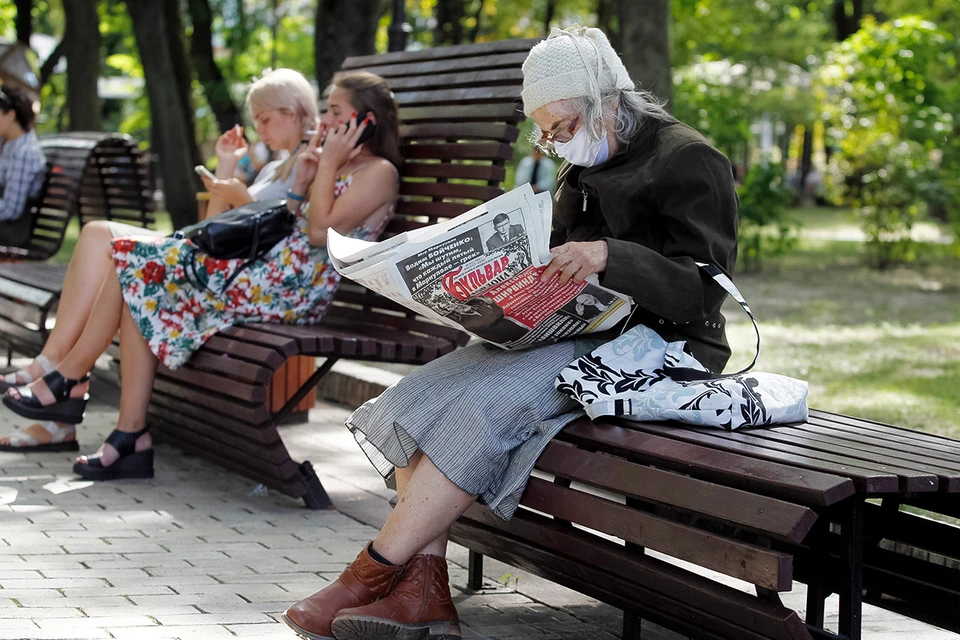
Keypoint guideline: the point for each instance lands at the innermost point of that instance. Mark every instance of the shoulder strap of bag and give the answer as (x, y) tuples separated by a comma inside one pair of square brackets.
[(684, 374)]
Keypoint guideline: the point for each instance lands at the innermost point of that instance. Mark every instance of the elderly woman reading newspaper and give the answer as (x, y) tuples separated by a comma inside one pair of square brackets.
[(641, 199)]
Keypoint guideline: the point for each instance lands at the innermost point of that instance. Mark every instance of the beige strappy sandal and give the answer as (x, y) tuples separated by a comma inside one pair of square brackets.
[(23, 377), (23, 442)]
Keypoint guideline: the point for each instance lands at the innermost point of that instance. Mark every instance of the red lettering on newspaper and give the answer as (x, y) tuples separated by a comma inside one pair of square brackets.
[(463, 286), (528, 300)]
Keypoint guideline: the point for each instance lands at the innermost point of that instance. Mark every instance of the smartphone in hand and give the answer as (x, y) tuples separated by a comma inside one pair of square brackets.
[(203, 171)]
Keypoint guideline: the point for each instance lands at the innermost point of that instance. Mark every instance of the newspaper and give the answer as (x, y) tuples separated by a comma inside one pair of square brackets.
[(480, 272)]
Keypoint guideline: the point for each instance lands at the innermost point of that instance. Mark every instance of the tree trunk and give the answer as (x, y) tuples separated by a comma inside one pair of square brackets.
[(24, 22), (644, 36), (845, 25), (549, 16), (607, 21), (209, 74), (46, 69), (343, 28), (449, 15), (475, 31), (82, 49), (806, 155), (157, 28)]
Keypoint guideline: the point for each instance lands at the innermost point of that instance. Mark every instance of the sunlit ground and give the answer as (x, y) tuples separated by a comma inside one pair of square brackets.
[(883, 345)]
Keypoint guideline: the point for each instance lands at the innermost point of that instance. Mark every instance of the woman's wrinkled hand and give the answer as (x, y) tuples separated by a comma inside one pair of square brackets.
[(576, 260), (340, 147), (231, 191)]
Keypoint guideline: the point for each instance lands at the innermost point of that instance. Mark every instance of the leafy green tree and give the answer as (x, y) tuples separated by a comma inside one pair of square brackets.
[(891, 83)]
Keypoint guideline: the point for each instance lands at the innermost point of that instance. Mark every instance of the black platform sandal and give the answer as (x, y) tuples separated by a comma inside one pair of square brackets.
[(64, 408), (130, 464)]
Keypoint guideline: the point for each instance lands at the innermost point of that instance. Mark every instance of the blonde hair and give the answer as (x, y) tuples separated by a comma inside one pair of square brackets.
[(287, 91)]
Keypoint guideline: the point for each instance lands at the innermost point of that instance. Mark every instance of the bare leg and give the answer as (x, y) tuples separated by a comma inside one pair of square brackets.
[(437, 547), (91, 263), (93, 341), (429, 505), (138, 366)]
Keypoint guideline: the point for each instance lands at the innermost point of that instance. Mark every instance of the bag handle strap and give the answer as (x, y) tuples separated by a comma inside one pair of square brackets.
[(684, 374)]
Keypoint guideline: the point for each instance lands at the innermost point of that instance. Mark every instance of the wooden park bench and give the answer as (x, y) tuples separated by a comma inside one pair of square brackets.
[(90, 176), (459, 114), (817, 502)]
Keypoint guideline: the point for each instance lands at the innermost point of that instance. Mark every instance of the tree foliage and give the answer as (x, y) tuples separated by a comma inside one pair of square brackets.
[(890, 92)]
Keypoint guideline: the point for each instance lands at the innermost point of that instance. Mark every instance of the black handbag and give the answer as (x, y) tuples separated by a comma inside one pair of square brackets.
[(249, 231)]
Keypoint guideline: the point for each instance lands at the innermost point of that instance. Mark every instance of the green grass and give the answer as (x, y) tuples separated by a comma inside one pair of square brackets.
[(883, 345), (73, 232)]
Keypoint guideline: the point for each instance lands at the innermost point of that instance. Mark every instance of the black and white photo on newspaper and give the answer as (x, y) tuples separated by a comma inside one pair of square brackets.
[(481, 272)]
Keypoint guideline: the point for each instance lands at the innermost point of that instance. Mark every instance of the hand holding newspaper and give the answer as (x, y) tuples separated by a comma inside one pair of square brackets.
[(480, 272)]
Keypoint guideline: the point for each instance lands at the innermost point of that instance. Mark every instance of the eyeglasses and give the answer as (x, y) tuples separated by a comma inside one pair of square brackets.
[(548, 138)]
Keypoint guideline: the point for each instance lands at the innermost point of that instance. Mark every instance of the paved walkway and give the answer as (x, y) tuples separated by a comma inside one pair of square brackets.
[(197, 553)]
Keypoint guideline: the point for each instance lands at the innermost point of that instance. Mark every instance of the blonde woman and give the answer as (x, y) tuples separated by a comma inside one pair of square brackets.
[(284, 108), (168, 298)]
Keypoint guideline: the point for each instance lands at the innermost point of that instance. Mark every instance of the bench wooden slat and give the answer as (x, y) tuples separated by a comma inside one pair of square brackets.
[(494, 131), (770, 569), (447, 190), (947, 474), (449, 170), (887, 429), (871, 479), (511, 76), (211, 382), (455, 65), (191, 396), (648, 586), (812, 488), (497, 112), (456, 151), (243, 333), (440, 53), (818, 425), (768, 516), (461, 96), (208, 361), (173, 409)]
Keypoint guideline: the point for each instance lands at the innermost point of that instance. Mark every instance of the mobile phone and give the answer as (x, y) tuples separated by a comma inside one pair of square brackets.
[(367, 133), (203, 171)]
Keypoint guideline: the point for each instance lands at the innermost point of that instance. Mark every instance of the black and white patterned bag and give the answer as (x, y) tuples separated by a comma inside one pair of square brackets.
[(640, 376)]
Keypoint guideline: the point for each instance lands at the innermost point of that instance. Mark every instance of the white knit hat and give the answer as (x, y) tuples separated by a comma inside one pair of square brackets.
[(572, 63)]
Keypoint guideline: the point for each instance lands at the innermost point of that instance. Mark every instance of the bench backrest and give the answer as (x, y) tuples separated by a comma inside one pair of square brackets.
[(95, 176), (459, 110)]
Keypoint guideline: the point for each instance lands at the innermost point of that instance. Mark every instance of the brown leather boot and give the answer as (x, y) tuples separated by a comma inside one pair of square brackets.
[(363, 582), (418, 608)]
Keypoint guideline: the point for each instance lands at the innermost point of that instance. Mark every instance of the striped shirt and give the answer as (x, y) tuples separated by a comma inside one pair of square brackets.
[(22, 165)]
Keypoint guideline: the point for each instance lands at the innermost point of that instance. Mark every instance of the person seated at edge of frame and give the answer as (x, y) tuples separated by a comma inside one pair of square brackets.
[(641, 199), (22, 166), (168, 298), (539, 170)]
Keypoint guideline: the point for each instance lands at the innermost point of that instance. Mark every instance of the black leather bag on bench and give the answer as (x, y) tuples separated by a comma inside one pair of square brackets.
[(245, 232), (249, 231)]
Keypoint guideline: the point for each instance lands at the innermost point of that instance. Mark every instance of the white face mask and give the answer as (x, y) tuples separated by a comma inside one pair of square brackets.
[(583, 150)]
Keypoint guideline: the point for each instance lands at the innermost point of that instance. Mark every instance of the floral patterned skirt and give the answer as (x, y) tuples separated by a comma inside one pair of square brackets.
[(177, 297)]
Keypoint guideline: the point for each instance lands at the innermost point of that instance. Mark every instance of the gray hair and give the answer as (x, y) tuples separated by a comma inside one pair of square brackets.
[(631, 109)]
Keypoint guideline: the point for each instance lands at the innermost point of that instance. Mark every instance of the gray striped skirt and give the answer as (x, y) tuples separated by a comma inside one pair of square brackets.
[(482, 416)]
